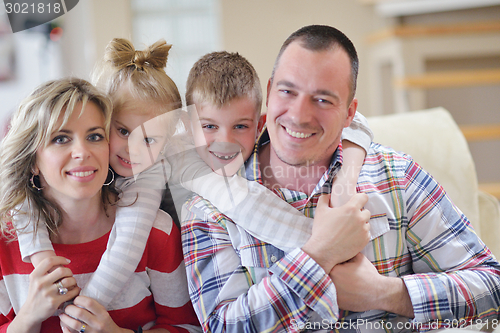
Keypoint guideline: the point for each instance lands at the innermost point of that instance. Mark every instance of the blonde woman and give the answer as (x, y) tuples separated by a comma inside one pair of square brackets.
[(55, 160)]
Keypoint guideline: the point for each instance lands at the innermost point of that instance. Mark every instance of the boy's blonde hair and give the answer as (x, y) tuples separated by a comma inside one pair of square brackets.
[(140, 72), (30, 129), (219, 77)]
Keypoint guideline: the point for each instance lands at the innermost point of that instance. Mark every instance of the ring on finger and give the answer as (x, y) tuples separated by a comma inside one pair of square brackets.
[(83, 328), (61, 290)]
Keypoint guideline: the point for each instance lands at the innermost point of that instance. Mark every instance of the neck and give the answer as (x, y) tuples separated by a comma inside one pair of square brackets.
[(83, 221), (278, 174)]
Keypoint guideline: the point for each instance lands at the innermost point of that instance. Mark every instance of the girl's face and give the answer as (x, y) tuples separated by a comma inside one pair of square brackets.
[(136, 139), (74, 165)]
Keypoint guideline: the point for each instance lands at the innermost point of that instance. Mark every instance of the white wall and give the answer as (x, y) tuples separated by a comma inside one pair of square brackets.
[(86, 31), (257, 29), (36, 61)]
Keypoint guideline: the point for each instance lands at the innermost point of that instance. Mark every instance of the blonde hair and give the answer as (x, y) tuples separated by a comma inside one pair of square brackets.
[(141, 72), (30, 129), (219, 77)]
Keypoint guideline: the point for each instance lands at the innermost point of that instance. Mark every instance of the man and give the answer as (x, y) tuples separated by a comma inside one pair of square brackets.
[(417, 264)]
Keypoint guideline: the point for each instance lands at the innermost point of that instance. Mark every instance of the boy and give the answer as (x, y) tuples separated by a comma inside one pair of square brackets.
[(224, 99)]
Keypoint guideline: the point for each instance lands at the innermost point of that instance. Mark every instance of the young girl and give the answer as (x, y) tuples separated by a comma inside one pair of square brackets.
[(141, 92)]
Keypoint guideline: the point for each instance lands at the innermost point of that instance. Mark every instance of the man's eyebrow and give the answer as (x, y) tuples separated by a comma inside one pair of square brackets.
[(327, 93), (286, 84), (316, 92)]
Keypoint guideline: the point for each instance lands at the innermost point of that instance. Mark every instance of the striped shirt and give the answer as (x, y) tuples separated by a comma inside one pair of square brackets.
[(239, 283), (155, 296)]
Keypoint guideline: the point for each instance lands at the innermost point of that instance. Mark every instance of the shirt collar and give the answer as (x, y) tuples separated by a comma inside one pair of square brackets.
[(253, 173)]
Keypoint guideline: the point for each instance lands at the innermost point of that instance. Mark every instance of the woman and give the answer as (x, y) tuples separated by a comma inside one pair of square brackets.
[(56, 156)]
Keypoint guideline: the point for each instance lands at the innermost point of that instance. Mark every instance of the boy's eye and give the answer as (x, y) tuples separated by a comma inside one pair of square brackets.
[(208, 126), (61, 139), (240, 126), (95, 137), (123, 131)]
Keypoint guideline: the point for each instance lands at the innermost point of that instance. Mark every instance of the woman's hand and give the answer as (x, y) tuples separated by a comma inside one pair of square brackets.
[(51, 284), (89, 316)]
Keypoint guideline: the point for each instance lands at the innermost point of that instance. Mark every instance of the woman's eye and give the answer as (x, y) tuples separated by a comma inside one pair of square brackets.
[(210, 126), (96, 137), (123, 132), (60, 139)]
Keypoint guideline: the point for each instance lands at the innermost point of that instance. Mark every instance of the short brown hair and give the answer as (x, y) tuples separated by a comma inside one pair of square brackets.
[(322, 38), (220, 77)]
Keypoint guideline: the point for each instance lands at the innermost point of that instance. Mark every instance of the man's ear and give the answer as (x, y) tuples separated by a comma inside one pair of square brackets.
[(351, 111), (268, 91)]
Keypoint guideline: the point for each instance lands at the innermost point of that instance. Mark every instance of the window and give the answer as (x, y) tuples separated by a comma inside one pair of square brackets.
[(191, 26)]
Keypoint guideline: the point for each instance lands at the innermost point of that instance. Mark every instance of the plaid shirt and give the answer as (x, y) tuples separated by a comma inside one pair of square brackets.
[(240, 284)]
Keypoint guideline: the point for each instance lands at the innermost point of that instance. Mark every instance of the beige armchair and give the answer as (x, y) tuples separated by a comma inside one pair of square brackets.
[(435, 142)]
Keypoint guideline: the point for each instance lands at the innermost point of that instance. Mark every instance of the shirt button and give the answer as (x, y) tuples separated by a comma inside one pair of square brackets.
[(273, 258), (309, 204)]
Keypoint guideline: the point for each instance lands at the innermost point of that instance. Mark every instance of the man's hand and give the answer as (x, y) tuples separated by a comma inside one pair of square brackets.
[(338, 234), (360, 287)]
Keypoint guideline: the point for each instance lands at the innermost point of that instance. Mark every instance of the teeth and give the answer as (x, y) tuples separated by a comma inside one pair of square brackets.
[(225, 157), (124, 160), (297, 134), (82, 174)]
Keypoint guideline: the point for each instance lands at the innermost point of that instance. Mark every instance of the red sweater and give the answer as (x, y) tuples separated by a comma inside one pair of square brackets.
[(156, 294)]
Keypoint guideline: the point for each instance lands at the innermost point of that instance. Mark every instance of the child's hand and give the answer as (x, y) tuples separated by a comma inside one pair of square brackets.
[(342, 190), (88, 314), (38, 257), (344, 184)]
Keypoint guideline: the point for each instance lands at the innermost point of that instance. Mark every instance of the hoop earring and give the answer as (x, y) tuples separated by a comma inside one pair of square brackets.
[(32, 181), (112, 177)]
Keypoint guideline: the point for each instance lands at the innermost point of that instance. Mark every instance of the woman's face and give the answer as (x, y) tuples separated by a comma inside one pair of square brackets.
[(74, 165)]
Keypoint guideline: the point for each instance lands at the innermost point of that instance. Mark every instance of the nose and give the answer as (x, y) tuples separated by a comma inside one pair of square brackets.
[(80, 149), (225, 135), (300, 110), (134, 149)]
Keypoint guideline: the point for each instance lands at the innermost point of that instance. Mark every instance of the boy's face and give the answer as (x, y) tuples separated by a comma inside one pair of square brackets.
[(135, 141), (225, 137)]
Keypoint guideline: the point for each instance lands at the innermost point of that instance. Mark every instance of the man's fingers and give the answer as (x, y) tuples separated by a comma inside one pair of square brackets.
[(359, 200), (366, 214)]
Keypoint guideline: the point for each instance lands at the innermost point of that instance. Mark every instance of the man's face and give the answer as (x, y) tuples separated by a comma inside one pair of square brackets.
[(225, 137), (307, 105)]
